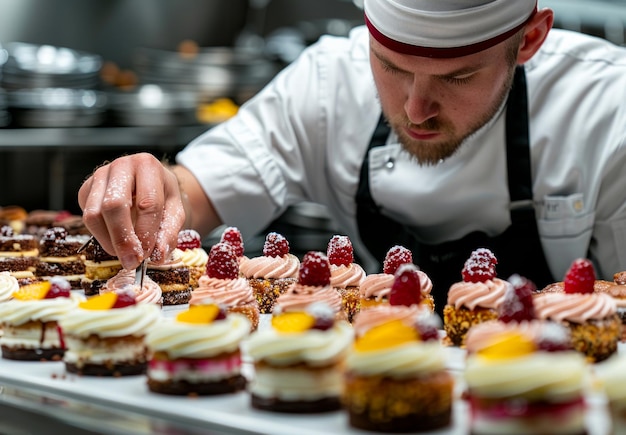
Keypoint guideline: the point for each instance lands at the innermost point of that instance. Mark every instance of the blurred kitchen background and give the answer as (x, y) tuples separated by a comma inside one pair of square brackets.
[(84, 81)]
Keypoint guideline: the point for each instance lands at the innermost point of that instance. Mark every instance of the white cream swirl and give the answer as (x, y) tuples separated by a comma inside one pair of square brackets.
[(18, 312), (286, 266), (411, 359), (193, 340), (574, 307), (313, 347), (612, 378), (488, 294), (346, 276), (196, 257), (134, 320), (8, 285), (558, 376)]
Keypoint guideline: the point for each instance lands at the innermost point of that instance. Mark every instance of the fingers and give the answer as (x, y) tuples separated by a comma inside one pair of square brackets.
[(173, 219), (124, 204)]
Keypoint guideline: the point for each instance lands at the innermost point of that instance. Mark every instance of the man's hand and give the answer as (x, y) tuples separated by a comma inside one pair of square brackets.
[(134, 207)]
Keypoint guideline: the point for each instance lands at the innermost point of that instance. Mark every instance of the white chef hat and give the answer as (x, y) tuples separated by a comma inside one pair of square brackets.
[(445, 28)]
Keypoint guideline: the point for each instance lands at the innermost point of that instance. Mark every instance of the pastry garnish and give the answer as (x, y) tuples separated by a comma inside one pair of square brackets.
[(222, 263), (55, 288), (387, 335), (232, 236), (107, 301), (518, 305), (508, 345), (188, 239), (406, 287), (314, 269), (6, 231), (580, 277), (340, 251), (480, 266), (555, 338), (202, 314), (275, 245), (54, 233), (396, 256), (428, 326), (318, 316)]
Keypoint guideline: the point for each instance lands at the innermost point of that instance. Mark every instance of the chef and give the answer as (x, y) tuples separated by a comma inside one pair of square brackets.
[(440, 125)]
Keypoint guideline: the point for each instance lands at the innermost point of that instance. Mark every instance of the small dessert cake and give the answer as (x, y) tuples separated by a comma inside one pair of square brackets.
[(13, 216), (518, 386), (313, 285), (124, 281), (197, 352), (173, 278), (272, 273), (591, 317), (223, 285), (345, 275), (18, 253), (395, 376), (475, 299), (58, 256), (298, 362), (30, 321), (105, 335), (232, 236), (611, 378), (189, 250), (375, 287), (100, 266)]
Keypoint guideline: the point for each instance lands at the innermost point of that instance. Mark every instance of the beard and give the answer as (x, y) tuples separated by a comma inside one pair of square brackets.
[(429, 153)]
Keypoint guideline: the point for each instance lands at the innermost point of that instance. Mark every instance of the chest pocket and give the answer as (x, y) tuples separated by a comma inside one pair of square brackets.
[(565, 229)]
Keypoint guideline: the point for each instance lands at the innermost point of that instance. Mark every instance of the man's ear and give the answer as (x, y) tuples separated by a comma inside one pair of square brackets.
[(535, 33)]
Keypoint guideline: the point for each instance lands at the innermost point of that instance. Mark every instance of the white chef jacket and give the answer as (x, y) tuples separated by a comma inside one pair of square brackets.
[(304, 137)]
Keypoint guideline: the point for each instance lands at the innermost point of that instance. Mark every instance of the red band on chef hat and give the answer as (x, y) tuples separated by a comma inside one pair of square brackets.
[(445, 28)]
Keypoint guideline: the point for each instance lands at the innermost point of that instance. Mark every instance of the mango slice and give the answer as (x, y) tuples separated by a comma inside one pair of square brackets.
[(199, 314), (293, 322), (385, 336), (32, 292)]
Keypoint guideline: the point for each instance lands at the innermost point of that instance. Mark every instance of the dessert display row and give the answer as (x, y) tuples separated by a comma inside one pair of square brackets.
[(317, 336)]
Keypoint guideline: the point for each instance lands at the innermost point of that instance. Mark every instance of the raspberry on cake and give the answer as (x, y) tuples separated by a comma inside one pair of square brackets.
[(313, 285), (395, 377), (58, 256), (517, 386), (272, 273), (198, 352), (30, 321), (591, 317), (375, 287), (475, 299), (298, 361), (189, 250), (345, 275), (18, 253), (232, 236), (223, 284), (105, 335), (99, 267)]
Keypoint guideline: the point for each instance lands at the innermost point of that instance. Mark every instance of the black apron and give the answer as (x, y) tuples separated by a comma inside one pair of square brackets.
[(518, 249)]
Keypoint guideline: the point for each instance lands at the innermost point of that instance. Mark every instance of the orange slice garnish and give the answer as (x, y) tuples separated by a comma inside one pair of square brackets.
[(293, 322), (104, 301), (200, 314), (508, 345), (32, 292), (385, 336)]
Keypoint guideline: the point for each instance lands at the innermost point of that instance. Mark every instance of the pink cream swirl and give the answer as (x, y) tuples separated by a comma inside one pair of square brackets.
[(299, 297), (230, 292), (150, 292), (270, 267), (367, 319), (346, 276), (488, 294), (378, 285), (574, 307)]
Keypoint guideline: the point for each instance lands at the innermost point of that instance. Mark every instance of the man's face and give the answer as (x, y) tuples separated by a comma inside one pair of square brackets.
[(434, 104)]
